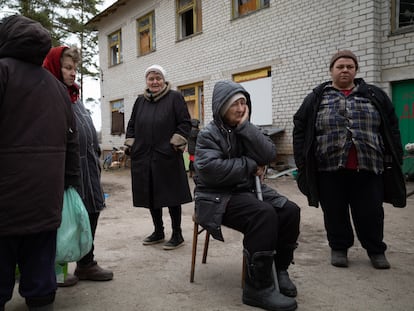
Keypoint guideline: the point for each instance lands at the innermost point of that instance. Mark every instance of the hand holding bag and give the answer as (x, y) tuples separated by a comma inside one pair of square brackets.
[(74, 236)]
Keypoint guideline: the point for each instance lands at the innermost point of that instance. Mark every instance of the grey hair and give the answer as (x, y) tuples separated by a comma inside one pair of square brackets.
[(72, 52)]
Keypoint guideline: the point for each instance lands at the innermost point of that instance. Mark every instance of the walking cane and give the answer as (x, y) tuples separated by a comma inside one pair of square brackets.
[(258, 188)]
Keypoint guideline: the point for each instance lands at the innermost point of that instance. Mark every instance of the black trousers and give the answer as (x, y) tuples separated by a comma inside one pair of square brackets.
[(361, 193), (175, 214), (35, 255), (265, 228), (88, 259)]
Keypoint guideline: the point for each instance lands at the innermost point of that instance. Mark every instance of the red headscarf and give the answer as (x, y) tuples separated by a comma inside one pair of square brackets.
[(52, 63)]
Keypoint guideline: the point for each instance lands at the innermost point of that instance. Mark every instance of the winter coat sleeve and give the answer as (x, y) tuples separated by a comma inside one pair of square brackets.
[(392, 120), (257, 145), (216, 170), (72, 162), (300, 121), (130, 132), (182, 116)]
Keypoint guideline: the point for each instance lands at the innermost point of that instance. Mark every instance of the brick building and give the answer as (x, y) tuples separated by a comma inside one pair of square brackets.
[(278, 49)]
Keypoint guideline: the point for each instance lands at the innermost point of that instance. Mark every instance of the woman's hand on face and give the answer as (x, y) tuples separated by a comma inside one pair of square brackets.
[(245, 115)]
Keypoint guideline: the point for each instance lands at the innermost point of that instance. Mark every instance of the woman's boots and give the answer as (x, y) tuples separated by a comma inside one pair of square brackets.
[(259, 288), (158, 236), (283, 258)]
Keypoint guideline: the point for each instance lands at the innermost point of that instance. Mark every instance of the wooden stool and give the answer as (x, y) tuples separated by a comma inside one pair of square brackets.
[(197, 231)]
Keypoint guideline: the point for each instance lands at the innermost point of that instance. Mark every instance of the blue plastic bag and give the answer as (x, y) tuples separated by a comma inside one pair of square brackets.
[(74, 236)]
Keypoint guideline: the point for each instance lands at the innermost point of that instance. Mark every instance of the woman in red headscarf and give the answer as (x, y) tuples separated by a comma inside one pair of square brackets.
[(62, 62)]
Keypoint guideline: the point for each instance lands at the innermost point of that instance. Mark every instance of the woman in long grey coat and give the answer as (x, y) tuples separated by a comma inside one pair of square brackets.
[(157, 134)]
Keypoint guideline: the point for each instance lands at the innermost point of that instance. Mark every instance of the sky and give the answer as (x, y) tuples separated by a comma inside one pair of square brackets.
[(91, 87)]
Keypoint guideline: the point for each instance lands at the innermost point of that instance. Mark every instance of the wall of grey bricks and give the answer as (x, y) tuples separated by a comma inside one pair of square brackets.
[(295, 38)]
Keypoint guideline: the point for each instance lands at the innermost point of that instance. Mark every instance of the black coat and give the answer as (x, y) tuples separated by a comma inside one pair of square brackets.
[(39, 150), (91, 189), (304, 144), (158, 174), (226, 160)]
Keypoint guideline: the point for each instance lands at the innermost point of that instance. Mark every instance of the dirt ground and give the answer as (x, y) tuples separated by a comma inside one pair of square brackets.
[(149, 278)]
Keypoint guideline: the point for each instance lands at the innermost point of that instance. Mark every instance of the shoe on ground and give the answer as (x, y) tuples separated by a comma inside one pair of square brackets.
[(93, 272), (176, 241), (70, 280), (286, 286), (339, 258), (379, 261), (154, 238)]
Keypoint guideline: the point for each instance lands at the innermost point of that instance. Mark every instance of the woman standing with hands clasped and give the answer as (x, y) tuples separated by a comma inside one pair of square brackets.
[(157, 135)]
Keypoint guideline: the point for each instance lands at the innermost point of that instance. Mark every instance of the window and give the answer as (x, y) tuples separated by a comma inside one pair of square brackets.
[(402, 16), (259, 85), (146, 34), (114, 43), (118, 120), (193, 96), (188, 18), (244, 7)]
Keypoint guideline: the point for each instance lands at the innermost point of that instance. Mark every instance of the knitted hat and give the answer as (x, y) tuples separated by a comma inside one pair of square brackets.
[(157, 69), (230, 101), (346, 54)]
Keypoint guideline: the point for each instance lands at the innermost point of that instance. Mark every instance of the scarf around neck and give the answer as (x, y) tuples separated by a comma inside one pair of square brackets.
[(154, 97)]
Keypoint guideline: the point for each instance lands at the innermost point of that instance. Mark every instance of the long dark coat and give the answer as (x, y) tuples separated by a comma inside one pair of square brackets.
[(39, 150), (158, 173), (91, 189)]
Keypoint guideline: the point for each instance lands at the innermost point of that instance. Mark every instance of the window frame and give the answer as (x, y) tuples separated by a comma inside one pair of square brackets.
[(395, 12), (195, 6), (150, 28), (115, 44), (117, 129), (258, 82), (197, 97), (259, 4)]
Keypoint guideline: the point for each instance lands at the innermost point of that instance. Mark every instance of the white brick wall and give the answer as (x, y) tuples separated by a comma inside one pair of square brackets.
[(295, 38)]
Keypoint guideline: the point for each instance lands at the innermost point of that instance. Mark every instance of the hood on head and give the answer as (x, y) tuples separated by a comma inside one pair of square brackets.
[(52, 61), (222, 92), (24, 39)]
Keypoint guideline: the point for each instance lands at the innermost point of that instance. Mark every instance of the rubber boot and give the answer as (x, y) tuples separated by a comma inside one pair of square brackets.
[(283, 258), (259, 288)]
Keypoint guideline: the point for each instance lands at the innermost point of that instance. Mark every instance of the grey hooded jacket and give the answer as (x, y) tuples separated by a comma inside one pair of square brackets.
[(226, 160)]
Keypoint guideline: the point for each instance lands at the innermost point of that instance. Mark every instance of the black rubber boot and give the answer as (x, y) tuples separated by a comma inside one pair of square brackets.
[(286, 286), (259, 288), (283, 258)]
